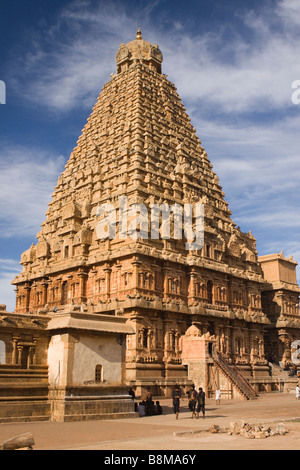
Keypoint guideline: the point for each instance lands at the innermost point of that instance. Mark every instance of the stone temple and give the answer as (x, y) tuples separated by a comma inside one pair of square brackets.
[(96, 315)]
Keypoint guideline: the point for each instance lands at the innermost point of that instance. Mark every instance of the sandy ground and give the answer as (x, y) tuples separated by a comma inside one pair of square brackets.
[(158, 433)]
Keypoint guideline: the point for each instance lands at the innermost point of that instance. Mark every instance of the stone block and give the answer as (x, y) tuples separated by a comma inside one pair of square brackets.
[(234, 428), (20, 442), (214, 428), (259, 435)]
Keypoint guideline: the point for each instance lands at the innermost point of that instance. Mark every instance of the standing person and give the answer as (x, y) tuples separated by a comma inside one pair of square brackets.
[(297, 392), (218, 397), (201, 402), (176, 395), (132, 394), (149, 402), (158, 409), (192, 396)]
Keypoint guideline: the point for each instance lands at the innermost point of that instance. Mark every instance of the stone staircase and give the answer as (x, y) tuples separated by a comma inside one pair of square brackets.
[(278, 372), (237, 379), (26, 390), (282, 378)]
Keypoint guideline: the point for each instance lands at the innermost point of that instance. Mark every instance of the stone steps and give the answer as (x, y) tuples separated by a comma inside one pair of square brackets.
[(14, 374), (24, 411), (23, 391)]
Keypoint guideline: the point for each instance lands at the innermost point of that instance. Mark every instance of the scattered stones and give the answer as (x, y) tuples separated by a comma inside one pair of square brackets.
[(249, 431), (214, 428), (260, 435), (280, 429), (243, 429), (234, 428)]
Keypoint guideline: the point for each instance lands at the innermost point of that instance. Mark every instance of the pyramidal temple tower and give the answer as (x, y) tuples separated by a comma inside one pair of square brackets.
[(139, 149)]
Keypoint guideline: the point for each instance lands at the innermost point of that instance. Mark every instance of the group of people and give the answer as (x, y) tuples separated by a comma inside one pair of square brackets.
[(196, 401), (147, 407)]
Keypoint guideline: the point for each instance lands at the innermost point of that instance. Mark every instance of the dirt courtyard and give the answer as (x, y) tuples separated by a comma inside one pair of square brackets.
[(166, 433)]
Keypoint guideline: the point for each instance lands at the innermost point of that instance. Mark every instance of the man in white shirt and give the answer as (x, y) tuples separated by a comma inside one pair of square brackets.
[(218, 397)]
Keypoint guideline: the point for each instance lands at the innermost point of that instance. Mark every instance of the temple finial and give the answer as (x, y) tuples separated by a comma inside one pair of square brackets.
[(139, 34)]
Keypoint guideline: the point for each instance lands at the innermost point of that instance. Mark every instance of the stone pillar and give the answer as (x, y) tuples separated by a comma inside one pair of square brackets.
[(218, 336), (27, 290), (153, 339), (148, 339), (15, 350), (177, 337), (166, 345), (82, 286), (192, 291), (286, 357), (20, 349), (44, 286), (136, 264), (35, 340), (107, 271), (166, 280), (30, 357), (280, 300)]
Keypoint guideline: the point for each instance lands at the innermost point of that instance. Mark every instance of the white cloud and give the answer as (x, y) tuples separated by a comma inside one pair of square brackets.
[(252, 159), (68, 66), (27, 179), (290, 12), (238, 75), (9, 268)]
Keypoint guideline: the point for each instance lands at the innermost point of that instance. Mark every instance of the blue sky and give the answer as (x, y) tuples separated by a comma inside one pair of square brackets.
[(233, 64)]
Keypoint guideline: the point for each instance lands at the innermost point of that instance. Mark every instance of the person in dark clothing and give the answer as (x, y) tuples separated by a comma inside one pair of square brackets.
[(192, 396), (149, 403), (158, 409), (132, 394), (201, 402), (176, 395)]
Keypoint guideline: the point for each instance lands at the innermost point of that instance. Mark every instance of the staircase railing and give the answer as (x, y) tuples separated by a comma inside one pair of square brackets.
[(245, 381), (235, 376)]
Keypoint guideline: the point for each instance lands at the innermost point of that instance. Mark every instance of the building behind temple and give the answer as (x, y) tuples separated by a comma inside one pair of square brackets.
[(94, 316)]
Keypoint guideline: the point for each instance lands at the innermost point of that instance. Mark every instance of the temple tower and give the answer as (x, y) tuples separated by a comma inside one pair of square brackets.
[(138, 152)]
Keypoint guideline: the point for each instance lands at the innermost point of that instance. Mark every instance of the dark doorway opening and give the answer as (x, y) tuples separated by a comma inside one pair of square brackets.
[(210, 292), (25, 357)]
